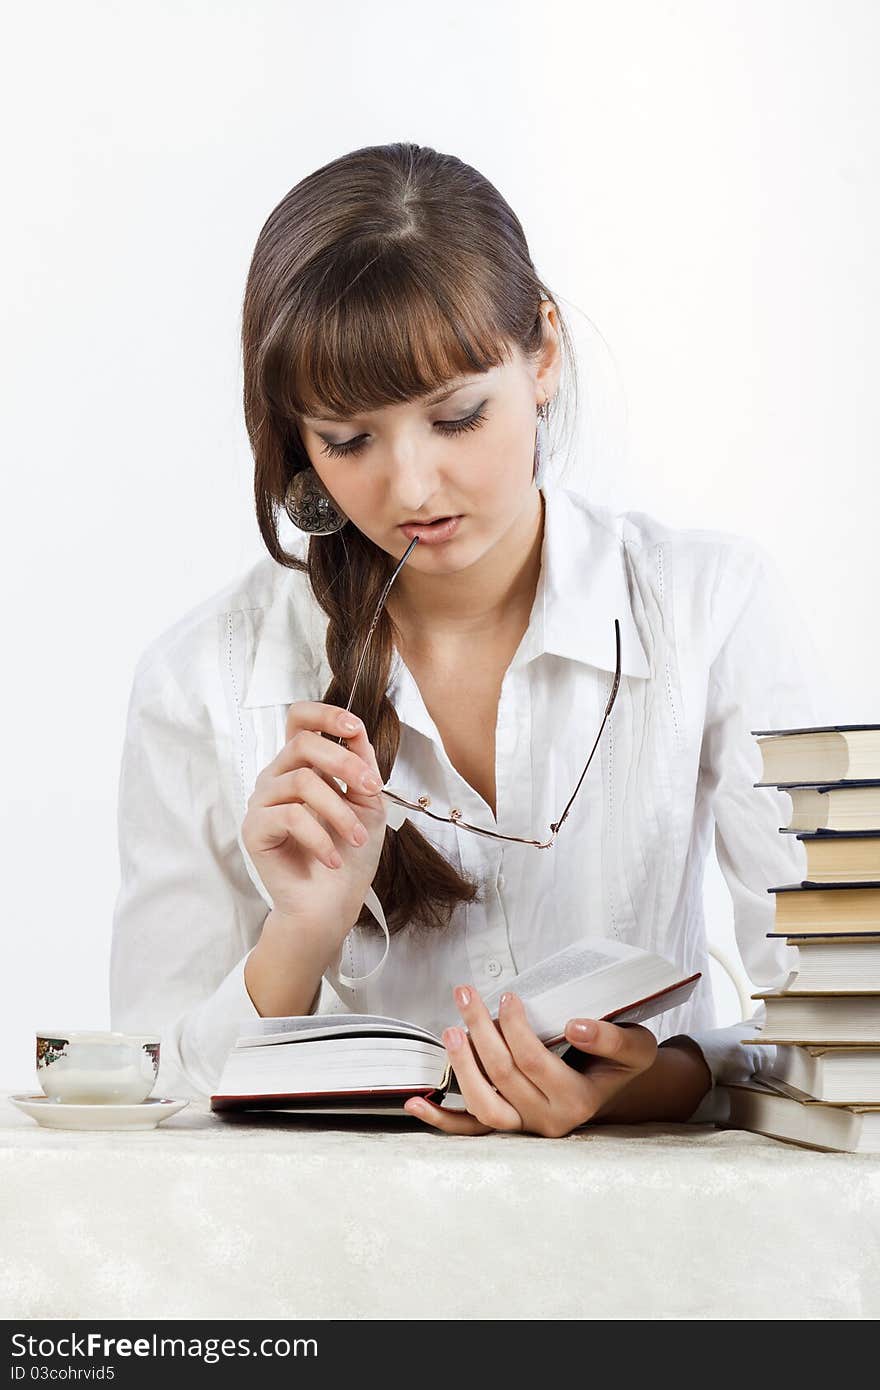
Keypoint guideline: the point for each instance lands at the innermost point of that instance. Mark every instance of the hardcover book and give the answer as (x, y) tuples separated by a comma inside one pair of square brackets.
[(829, 753), (340, 1063), (827, 909), (784, 1115)]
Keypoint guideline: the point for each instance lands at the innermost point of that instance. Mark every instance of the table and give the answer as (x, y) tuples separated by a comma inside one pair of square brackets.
[(277, 1217)]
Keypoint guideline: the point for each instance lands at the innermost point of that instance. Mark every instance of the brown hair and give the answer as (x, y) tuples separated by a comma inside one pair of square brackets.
[(376, 280)]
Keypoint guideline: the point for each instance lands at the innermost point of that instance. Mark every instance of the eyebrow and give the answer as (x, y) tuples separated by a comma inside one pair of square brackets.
[(438, 396), (433, 399)]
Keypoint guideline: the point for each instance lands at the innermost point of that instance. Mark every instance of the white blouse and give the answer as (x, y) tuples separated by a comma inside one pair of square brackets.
[(712, 647)]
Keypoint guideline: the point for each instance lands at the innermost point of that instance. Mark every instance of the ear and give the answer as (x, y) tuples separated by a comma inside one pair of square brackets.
[(550, 363)]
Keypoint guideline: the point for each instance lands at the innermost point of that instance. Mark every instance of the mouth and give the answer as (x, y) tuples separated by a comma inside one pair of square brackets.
[(442, 528)]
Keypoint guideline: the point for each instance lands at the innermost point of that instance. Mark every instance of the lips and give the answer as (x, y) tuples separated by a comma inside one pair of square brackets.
[(432, 534)]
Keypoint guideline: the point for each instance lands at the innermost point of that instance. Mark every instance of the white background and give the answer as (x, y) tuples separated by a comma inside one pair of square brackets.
[(699, 185)]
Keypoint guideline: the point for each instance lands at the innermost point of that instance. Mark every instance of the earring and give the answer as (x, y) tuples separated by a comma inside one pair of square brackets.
[(310, 507), (542, 446)]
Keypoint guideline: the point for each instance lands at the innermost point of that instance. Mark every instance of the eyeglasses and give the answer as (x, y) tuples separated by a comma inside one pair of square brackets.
[(454, 817)]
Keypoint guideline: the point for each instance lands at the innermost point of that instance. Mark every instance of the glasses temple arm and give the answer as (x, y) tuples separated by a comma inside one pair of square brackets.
[(611, 698), (379, 606)]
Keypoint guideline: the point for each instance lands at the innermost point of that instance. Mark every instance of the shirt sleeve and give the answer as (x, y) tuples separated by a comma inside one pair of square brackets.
[(187, 914), (766, 674)]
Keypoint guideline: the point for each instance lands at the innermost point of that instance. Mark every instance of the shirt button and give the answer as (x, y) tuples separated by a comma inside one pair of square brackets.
[(493, 967)]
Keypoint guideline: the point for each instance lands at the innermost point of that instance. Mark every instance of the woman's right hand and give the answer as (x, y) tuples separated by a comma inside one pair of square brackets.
[(298, 820)]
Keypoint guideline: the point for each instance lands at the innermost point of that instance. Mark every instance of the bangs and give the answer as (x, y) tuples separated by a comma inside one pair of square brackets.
[(378, 329)]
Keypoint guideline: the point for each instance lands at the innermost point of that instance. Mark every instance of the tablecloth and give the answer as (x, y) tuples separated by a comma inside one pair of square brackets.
[(277, 1217)]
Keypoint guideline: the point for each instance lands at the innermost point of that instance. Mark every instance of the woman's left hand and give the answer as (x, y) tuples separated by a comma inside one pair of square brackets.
[(511, 1081)]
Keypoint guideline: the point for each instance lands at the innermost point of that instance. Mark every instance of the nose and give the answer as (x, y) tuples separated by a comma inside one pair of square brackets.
[(411, 465)]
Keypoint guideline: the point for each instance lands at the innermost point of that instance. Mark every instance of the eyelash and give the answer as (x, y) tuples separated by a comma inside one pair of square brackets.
[(470, 422)]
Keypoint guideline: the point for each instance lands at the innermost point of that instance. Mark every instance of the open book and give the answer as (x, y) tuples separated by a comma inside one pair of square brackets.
[(344, 1063)]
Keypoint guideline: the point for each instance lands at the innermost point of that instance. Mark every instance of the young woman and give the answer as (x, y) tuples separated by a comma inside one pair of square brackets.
[(402, 362)]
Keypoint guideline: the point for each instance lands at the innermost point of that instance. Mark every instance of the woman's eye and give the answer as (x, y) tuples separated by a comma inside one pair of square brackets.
[(338, 451), (354, 446), (470, 422)]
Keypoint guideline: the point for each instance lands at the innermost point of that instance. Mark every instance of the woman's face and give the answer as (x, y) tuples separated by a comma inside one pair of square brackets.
[(469, 455)]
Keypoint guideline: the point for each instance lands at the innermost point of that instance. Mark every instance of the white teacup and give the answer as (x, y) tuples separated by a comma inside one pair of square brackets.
[(87, 1067)]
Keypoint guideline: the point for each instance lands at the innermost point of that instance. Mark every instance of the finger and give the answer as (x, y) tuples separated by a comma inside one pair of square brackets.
[(452, 1121), (337, 724), (317, 714), (491, 1107), (273, 826), (308, 786), (495, 1055), (628, 1045), (360, 744), (546, 1072), (348, 730), (308, 748)]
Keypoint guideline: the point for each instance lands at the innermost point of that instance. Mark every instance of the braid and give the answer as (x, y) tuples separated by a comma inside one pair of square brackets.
[(416, 885)]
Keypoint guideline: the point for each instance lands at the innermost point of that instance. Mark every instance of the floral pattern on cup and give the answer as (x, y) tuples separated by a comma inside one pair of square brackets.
[(49, 1050)]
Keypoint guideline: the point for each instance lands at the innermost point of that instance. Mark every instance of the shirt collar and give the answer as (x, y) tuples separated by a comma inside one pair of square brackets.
[(582, 588)]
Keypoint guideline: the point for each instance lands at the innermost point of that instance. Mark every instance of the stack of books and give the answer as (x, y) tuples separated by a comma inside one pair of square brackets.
[(824, 1090)]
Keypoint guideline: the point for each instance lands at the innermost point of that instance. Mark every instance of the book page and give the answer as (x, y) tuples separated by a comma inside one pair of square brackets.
[(585, 957), (385, 1047), (260, 1031)]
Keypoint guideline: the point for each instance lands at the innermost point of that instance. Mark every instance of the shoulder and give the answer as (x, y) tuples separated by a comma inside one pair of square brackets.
[(698, 554), (709, 569), (702, 575), (186, 660), (643, 532)]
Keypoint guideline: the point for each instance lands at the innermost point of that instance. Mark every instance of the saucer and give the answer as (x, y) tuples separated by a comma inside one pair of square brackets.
[(53, 1114)]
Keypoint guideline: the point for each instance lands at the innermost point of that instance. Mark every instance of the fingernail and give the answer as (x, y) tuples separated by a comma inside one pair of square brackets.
[(584, 1030), (350, 725), (415, 1107), (371, 783), (505, 999), (452, 1038), (462, 996)]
